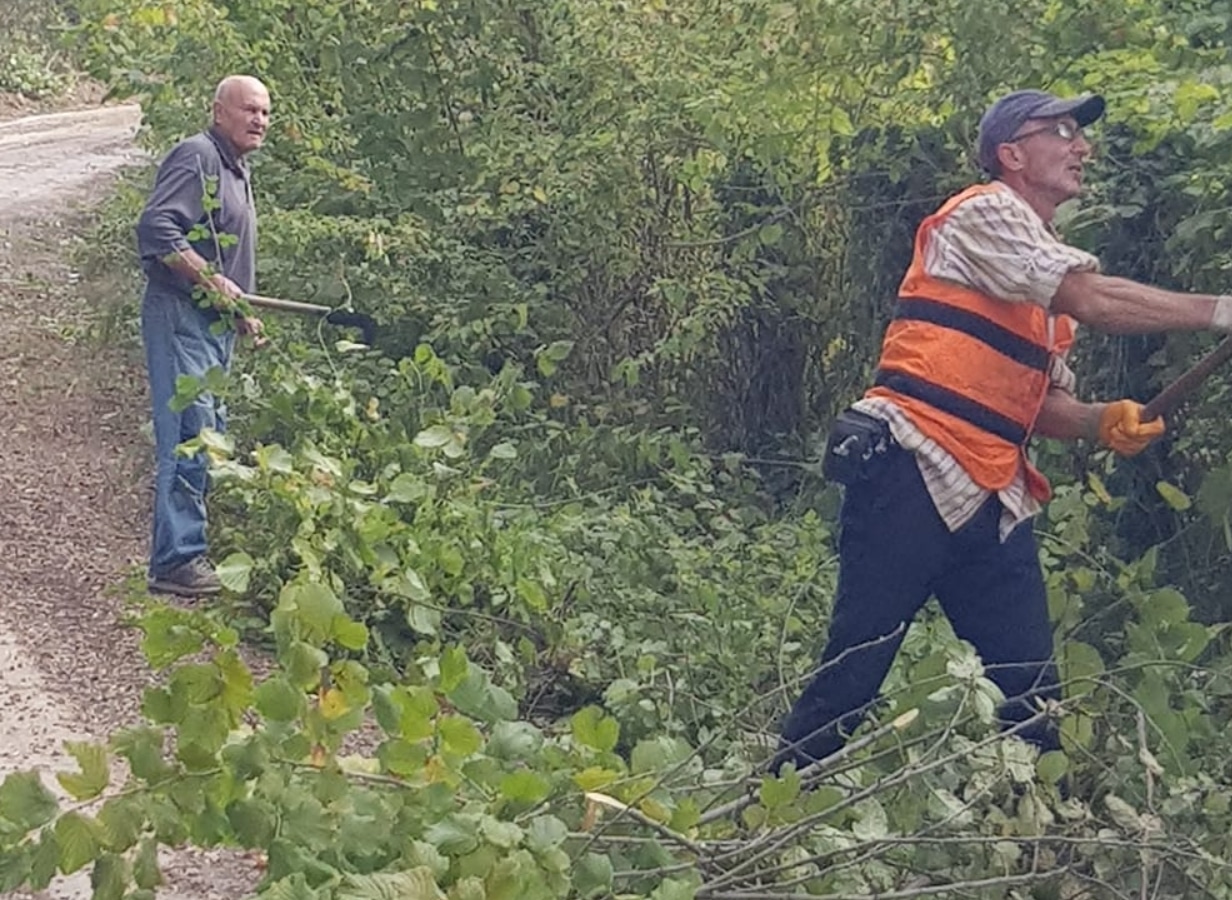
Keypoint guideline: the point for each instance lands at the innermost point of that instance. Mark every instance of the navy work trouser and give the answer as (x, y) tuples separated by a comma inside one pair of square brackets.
[(894, 553)]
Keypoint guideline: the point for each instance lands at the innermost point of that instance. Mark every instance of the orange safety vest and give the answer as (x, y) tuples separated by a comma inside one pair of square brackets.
[(970, 370)]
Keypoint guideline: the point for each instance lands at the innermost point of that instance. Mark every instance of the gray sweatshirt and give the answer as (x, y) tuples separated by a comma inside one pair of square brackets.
[(204, 164)]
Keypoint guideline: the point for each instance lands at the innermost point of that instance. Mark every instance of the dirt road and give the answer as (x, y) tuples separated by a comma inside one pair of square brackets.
[(73, 473), (46, 161)]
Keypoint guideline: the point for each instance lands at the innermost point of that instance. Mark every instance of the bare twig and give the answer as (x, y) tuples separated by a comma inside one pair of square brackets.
[(923, 891), (776, 840), (730, 238), (869, 848), (638, 816), (813, 772), (698, 751)]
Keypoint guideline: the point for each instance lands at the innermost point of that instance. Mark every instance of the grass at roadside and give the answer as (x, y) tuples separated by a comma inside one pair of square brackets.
[(37, 69)]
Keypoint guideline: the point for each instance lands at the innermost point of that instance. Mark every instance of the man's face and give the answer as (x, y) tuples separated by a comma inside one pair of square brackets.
[(1050, 154), (242, 114)]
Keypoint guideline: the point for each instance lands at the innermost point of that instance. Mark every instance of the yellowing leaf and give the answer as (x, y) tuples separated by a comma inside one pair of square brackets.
[(1173, 496), (435, 771), (905, 720), (840, 122), (655, 810), (1097, 488), (95, 771), (334, 704), (150, 17), (594, 778)]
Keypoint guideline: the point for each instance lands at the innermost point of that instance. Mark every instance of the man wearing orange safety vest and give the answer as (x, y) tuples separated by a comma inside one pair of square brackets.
[(939, 490)]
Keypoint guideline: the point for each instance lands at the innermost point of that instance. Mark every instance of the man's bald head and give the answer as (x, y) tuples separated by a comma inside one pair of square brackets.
[(242, 111), (237, 83)]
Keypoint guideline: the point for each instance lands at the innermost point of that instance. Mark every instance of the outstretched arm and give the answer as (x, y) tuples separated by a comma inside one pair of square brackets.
[(1122, 306)]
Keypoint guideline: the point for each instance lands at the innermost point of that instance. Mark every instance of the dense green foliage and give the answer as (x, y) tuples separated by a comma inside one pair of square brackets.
[(551, 539), (30, 63)]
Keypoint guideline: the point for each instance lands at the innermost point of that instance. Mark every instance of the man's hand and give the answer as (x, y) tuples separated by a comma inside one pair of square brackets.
[(224, 291), (1121, 428), (251, 325)]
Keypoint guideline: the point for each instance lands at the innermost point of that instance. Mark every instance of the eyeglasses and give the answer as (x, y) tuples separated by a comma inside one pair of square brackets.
[(1064, 130)]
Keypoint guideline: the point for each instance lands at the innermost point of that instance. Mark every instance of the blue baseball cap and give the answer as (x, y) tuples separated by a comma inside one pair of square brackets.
[(1001, 120)]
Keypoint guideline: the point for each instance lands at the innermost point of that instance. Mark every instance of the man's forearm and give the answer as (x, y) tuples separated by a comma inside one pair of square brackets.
[(1065, 417), (191, 264), (197, 269), (1122, 306)]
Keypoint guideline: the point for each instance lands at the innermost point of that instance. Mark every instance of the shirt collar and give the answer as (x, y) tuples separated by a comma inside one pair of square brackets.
[(1022, 201), (233, 160)]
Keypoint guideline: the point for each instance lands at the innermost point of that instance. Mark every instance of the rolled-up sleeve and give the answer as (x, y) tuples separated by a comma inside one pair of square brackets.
[(173, 207), (1060, 376), (997, 244)]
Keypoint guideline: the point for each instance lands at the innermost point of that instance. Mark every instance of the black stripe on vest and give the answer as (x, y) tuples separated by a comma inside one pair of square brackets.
[(953, 403), (1001, 339)]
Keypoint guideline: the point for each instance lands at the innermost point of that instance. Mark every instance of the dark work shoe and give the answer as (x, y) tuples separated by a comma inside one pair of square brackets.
[(195, 578)]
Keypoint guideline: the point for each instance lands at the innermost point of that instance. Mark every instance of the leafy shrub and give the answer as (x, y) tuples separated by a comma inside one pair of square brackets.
[(27, 70)]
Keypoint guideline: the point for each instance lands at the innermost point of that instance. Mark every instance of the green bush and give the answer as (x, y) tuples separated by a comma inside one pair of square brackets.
[(30, 71)]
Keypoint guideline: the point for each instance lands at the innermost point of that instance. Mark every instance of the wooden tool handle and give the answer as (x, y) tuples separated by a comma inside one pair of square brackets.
[(294, 306), (1172, 396)]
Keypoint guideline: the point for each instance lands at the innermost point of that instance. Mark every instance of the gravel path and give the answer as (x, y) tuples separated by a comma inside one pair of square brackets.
[(74, 471)]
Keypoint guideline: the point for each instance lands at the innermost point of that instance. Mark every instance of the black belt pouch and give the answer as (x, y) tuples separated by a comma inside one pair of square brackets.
[(858, 442)]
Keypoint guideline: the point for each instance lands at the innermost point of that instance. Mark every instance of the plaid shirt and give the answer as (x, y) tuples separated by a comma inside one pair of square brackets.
[(998, 245)]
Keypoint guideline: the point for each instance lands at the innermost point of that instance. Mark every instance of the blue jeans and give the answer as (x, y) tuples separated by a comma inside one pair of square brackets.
[(894, 553), (177, 338)]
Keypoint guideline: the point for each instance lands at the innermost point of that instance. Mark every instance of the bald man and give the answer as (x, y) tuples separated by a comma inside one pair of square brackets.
[(198, 258)]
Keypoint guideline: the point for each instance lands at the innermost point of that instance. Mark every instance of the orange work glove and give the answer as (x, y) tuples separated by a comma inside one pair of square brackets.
[(1121, 428)]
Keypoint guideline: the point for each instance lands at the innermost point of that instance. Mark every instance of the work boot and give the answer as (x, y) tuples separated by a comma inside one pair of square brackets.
[(195, 578)]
